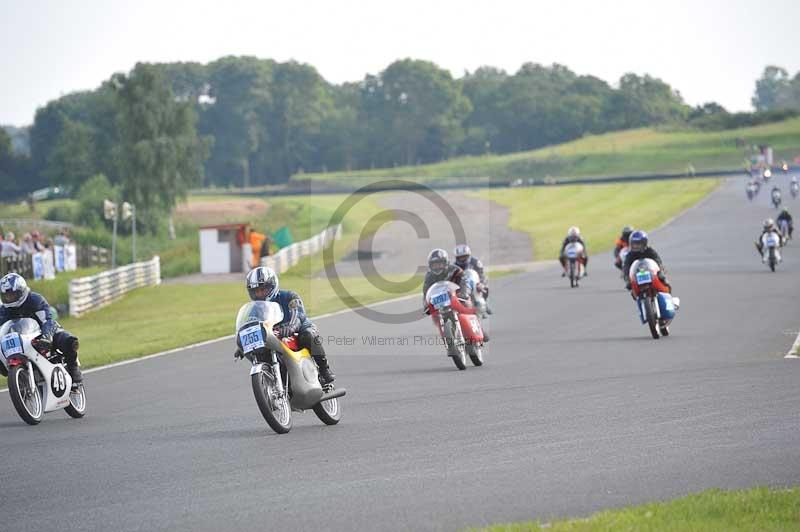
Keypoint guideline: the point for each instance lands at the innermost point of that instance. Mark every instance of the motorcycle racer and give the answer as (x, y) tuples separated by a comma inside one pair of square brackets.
[(573, 235), (640, 249), (20, 302), (262, 285)]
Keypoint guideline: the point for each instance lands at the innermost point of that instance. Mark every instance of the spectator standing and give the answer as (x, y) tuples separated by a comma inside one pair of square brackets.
[(10, 247), (26, 246)]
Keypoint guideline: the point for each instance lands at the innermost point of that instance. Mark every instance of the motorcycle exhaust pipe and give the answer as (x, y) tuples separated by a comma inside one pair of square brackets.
[(333, 395)]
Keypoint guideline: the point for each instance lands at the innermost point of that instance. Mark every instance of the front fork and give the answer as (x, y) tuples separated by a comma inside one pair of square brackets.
[(31, 380)]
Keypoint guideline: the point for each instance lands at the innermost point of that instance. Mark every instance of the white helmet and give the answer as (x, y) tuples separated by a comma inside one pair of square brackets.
[(573, 233), (462, 254), (14, 290)]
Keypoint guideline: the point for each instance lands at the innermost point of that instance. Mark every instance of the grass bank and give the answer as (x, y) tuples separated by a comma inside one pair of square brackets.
[(600, 211), (637, 151), (761, 509)]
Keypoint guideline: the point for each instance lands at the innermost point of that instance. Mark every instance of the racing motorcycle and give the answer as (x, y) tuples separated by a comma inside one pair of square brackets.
[(574, 254), (473, 282), (784, 227), (458, 325), (794, 188), (284, 378), (752, 190), (771, 249), (776, 198), (38, 381), (655, 304)]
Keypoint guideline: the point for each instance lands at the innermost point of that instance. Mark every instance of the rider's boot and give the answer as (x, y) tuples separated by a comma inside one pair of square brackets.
[(72, 363), (326, 375)]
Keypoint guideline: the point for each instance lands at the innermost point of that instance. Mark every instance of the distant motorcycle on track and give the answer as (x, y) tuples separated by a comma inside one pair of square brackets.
[(771, 249), (574, 254), (284, 379), (776, 197), (38, 381)]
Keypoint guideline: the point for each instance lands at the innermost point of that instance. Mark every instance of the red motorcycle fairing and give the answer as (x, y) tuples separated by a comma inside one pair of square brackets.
[(656, 282), (467, 317), (291, 342)]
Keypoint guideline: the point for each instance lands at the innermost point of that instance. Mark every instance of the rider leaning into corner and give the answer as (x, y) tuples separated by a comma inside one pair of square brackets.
[(621, 243), (785, 216), (640, 249), (440, 269), (262, 285), (769, 227), (573, 235), (20, 302)]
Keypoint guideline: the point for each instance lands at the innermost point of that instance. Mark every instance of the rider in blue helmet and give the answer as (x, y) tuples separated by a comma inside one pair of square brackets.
[(640, 249)]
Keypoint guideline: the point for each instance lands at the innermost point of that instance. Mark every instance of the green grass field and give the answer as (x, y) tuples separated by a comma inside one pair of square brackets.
[(600, 211), (638, 151), (759, 509)]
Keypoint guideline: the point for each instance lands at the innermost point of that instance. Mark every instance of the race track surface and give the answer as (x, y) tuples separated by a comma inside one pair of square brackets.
[(576, 410)]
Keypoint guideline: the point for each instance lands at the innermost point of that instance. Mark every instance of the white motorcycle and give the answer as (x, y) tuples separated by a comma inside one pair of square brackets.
[(771, 249), (38, 381), (794, 188), (473, 281), (574, 253), (776, 198)]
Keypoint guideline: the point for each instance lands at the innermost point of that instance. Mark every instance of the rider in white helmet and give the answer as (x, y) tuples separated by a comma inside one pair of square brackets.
[(573, 235)]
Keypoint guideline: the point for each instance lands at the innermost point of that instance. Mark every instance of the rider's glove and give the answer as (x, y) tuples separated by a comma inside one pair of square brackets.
[(426, 311), (284, 331), (238, 354)]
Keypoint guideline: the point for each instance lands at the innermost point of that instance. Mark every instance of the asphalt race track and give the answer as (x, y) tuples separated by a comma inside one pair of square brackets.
[(576, 410)]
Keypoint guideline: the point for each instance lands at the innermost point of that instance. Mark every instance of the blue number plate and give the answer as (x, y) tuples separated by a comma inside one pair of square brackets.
[(441, 300), (644, 277), (251, 338), (12, 344)]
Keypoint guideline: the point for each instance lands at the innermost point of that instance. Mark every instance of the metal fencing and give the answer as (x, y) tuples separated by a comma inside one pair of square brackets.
[(89, 293), (291, 255)]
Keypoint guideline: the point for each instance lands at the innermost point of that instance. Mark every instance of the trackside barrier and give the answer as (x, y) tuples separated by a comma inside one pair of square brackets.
[(291, 255), (95, 291)]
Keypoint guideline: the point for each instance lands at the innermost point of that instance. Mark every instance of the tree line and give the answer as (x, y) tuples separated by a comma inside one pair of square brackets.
[(245, 121)]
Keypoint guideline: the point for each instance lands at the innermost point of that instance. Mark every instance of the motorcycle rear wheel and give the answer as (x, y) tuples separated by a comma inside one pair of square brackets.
[(77, 403), (28, 403), (277, 413), (329, 412), (475, 354)]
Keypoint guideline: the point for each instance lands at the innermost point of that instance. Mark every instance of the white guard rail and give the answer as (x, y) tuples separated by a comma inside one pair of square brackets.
[(291, 255), (95, 291)]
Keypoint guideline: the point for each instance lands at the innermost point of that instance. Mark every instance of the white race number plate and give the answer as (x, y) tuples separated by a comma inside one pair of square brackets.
[(644, 277), (12, 344), (441, 300), (251, 338)]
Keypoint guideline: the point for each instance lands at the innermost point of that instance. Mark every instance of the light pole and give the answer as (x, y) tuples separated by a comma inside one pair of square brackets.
[(110, 213), (129, 211)]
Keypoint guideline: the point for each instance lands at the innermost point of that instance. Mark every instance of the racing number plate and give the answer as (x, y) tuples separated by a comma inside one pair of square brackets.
[(251, 338), (644, 277), (11, 344), (441, 300)]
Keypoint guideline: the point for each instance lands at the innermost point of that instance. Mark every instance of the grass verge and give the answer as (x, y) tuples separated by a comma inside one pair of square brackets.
[(600, 211), (762, 509), (636, 151)]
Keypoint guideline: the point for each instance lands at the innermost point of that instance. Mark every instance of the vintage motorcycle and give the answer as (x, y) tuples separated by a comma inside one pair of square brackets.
[(38, 381), (459, 325), (771, 249), (655, 304), (283, 378), (794, 188), (574, 254), (776, 197)]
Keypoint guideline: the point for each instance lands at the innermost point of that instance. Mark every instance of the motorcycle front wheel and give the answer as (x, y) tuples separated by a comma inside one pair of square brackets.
[(455, 345), (275, 409), (27, 402), (650, 316), (772, 260)]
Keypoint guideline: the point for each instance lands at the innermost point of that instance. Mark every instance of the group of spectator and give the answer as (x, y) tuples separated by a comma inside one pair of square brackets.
[(34, 242)]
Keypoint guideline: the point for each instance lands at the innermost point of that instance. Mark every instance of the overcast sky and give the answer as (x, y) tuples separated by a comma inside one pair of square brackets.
[(709, 50)]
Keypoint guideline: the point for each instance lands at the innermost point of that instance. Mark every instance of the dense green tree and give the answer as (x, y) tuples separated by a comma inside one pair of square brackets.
[(71, 160), (159, 156)]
